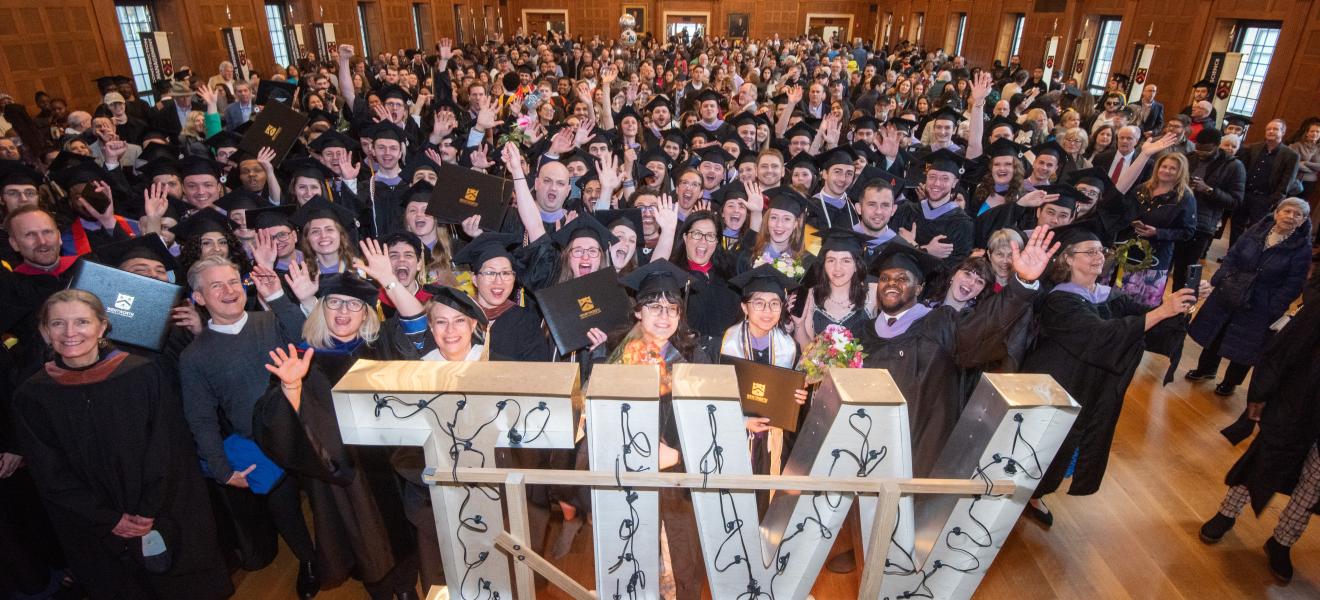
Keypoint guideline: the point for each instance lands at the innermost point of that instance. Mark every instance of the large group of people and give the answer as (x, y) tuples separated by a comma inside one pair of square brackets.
[(751, 196)]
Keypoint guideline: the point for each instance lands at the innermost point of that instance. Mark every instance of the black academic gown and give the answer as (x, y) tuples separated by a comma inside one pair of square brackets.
[(928, 361), (713, 304), (119, 445), (957, 228), (516, 335), (1093, 351)]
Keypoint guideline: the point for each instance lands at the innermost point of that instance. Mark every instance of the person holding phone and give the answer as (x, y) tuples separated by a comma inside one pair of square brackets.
[(1262, 274)]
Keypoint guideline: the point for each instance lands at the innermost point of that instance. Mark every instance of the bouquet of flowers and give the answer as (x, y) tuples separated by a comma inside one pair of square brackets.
[(788, 265), (640, 352), (516, 134), (834, 347)]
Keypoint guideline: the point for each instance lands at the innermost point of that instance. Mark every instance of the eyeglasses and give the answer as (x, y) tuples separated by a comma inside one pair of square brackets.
[(588, 252), (690, 184), (281, 236), (1091, 253), (655, 309), (496, 274), (697, 236), (764, 305), (350, 305), (28, 194)]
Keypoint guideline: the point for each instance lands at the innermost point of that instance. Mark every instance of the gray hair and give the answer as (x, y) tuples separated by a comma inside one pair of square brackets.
[(199, 267), (1297, 203)]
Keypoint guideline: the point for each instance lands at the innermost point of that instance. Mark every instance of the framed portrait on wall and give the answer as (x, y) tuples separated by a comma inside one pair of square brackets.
[(638, 13), (737, 25)]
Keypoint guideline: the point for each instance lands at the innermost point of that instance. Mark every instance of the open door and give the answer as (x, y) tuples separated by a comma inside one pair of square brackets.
[(542, 21)]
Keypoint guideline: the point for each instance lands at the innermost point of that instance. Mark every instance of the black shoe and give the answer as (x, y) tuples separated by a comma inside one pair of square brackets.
[(1214, 529), (1224, 389), (308, 583), (1045, 517), (1196, 375), (843, 563), (1280, 562)]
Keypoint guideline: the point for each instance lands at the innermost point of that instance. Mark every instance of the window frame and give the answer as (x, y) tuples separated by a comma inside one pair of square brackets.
[(961, 35), (129, 31), (1099, 49), (1015, 41), (363, 31), (275, 22), (1249, 81)]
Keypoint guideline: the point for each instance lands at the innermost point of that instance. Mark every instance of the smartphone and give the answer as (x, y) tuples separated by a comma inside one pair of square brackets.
[(1193, 281)]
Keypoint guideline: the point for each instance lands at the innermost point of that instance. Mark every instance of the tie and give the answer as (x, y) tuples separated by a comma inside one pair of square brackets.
[(891, 320), (1118, 168)]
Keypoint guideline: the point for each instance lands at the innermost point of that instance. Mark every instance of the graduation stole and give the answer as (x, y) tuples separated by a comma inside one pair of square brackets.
[(737, 343), (79, 233)]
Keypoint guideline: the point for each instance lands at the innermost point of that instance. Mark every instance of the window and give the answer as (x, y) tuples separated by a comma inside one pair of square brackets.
[(362, 29), (921, 28), (1256, 42), (419, 18), (275, 23), (962, 31), (1019, 21), (135, 18), (1102, 60)]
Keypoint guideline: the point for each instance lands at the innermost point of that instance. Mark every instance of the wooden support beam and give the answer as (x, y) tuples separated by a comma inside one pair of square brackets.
[(523, 555), (961, 487), (886, 515), (515, 499)]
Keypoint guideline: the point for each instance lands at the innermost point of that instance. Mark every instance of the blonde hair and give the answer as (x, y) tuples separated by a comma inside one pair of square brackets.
[(1003, 238), (74, 295), (316, 329), (346, 252), (1148, 188)]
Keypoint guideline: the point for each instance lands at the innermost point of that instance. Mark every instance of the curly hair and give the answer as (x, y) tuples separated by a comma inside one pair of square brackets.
[(190, 251)]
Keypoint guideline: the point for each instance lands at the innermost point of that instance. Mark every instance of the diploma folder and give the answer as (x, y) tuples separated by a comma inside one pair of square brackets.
[(138, 307), (277, 126), (767, 391), (573, 307), (460, 193)]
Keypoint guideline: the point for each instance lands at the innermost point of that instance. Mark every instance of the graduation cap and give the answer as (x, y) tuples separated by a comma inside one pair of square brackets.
[(1076, 233), (198, 165), (947, 114), (239, 199), (898, 254), (1072, 91), (1122, 78), (946, 161), (458, 300), (657, 277), (13, 172), (1239, 120), (716, 154), (267, 217), (348, 284), (707, 95), (802, 160), (1051, 148), (865, 122), (387, 131), (206, 220), (765, 278), (628, 217), (487, 246), (317, 115), (584, 226), (1093, 176), (903, 123), (788, 200), (842, 155), (743, 118), (696, 131), (69, 169), (160, 166), (332, 139), (998, 122), (658, 101), (148, 246), (320, 208), (68, 160), (1204, 83), (104, 83), (1005, 147), (801, 129), (600, 137), (223, 139), (419, 192), (746, 157), (159, 151), (843, 240), (1068, 195), (274, 91), (393, 92), (675, 136), (628, 111), (307, 167), (734, 190)]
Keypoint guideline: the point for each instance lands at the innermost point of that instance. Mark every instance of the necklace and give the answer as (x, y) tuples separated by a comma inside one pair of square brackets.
[(844, 304)]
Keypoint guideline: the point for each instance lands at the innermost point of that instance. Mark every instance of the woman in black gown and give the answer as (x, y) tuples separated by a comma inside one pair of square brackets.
[(104, 437)]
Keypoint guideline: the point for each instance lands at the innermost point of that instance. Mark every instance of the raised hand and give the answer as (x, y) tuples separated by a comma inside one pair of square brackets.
[(755, 196), (666, 214), (288, 366), (433, 155), (1036, 198), (264, 251), (301, 281), (472, 226), (562, 142), (266, 280), (186, 317), (794, 94), (1032, 260), (608, 75), (1161, 144), (480, 160), (375, 262), (981, 87), (445, 123), (348, 170), (583, 132), (486, 116), (265, 156), (888, 136), (114, 150), (513, 160), (381, 114), (208, 96), (445, 48), (1177, 303), (345, 52), (607, 169)]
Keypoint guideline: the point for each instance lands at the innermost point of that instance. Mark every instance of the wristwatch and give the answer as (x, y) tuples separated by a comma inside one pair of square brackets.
[(391, 285)]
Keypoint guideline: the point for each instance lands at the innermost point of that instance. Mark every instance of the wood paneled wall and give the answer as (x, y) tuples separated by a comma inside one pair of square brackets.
[(60, 45)]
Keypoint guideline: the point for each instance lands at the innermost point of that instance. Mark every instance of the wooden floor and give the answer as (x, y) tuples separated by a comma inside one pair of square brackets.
[(1136, 538)]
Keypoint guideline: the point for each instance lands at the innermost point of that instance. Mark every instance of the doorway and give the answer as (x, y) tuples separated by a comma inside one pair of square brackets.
[(543, 21), (687, 26), (830, 27)]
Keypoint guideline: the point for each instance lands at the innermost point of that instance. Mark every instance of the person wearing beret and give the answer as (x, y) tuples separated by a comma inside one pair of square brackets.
[(1091, 341), (927, 349)]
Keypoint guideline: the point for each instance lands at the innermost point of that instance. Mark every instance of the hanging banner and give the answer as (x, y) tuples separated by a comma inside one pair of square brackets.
[(1140, 72), (323, 35), (233, 37), (1080, 51), (156, 53), (1214, 66), (1224, 85), (1051, 51), (293, 39)]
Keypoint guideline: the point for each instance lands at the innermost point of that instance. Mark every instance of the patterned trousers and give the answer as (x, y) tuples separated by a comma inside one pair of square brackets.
[(1292, 522)]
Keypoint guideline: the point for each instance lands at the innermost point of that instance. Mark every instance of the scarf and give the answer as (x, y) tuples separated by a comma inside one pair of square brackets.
[(96, 373), (703, 269), (739, 343)]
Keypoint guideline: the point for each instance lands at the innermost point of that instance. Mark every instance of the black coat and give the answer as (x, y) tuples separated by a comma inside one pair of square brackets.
[(1227, 179), (116, 446), (1093, 351), (1252, 290)]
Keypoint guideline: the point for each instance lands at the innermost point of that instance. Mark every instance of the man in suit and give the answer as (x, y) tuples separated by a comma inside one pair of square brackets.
[(242, 109), (171, 117), (1116, 160), (1152, 111), (1271, 171)]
